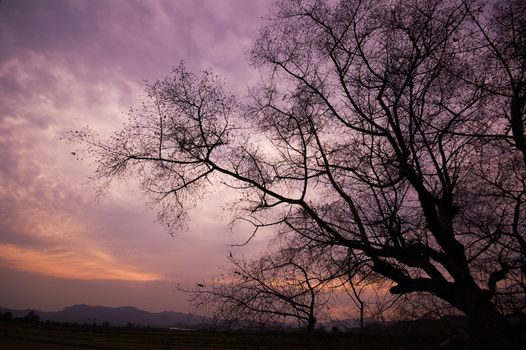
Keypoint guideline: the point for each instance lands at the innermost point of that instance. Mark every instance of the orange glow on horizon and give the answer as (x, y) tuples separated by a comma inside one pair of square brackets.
[(67, 264)]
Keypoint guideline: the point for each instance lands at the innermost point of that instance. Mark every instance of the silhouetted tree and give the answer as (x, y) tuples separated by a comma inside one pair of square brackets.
[(391, 129), (273, 290), (6, 316), (31, 317)]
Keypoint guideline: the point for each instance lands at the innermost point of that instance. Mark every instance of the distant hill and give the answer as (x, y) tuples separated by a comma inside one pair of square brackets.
[(117, 316)]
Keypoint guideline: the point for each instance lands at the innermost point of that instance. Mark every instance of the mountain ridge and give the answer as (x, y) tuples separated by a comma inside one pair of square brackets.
[(116, 316)]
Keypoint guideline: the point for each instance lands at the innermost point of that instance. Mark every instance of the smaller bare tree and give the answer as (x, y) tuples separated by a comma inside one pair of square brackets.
[(273, 290)]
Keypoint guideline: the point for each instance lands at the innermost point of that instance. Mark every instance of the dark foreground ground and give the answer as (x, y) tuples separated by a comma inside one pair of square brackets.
[(68, 337)]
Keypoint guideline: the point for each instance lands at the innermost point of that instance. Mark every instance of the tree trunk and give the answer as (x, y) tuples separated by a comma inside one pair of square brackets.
[(311, 325), (361, 314), (486, 323)]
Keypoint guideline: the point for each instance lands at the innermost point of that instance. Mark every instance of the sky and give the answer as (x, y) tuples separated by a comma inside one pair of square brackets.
[(66, 64)]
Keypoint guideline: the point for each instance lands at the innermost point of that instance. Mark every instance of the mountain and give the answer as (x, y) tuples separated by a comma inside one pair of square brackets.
[(117, 316)]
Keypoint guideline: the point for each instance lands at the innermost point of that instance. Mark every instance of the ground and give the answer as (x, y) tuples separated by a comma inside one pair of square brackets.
[(68, 337)]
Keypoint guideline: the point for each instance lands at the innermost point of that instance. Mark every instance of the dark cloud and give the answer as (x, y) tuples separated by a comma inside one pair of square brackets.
[(141, 39)]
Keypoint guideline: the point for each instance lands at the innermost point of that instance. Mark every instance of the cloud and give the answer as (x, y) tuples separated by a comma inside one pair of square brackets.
[(90, 264), (67, 64)]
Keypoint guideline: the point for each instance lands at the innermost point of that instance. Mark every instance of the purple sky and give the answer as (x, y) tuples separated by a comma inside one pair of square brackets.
[(67, 64)]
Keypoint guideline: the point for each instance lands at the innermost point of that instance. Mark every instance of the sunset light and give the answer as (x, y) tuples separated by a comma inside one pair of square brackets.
[(313, 174)]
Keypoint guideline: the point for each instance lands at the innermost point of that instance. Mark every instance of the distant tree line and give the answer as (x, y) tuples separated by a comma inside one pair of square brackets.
[(32, 318)]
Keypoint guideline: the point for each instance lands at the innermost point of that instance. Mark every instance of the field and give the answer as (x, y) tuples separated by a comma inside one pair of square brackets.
[(60, 337)]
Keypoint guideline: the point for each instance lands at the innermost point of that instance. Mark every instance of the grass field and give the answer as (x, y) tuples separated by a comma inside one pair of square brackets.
[(47, 337)]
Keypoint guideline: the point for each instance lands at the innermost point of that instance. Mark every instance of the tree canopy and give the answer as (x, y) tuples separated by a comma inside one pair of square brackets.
[(385, 133)]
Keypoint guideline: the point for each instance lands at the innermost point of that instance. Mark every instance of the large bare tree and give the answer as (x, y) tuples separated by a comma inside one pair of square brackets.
[(390, 131)]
